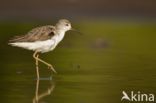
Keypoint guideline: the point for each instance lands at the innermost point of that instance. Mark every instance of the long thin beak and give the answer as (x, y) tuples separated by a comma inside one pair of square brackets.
[(76, 31)]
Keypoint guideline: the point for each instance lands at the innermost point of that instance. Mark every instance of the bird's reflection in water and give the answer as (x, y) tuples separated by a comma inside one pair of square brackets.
[(39, 96)]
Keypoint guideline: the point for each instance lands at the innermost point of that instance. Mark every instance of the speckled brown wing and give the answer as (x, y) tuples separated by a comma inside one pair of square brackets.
[(37, 34)]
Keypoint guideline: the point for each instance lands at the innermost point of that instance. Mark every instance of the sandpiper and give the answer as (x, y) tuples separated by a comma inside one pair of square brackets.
[(42, 39)]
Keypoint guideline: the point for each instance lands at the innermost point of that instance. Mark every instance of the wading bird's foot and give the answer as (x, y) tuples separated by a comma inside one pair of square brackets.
[(52, 68)]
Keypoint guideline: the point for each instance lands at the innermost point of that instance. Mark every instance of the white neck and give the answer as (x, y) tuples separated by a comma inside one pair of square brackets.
[(60, 35)]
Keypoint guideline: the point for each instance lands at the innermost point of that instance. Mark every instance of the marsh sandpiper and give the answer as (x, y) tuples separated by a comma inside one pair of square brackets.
[(42, 39)]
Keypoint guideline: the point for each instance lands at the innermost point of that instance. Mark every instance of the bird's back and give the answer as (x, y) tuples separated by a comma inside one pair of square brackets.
[(37, 34)]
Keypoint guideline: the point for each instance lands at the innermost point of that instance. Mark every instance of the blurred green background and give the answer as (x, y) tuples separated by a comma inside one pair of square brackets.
[(117, 51)]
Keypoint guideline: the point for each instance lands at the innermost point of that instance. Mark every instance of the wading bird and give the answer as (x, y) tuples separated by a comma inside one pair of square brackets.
[(42, 39)]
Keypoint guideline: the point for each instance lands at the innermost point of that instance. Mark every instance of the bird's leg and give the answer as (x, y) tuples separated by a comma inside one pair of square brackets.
[(37, 69), (49, 65), (35, 55)]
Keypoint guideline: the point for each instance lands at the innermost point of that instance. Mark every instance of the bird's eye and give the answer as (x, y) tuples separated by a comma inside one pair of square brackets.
[(67, 24)]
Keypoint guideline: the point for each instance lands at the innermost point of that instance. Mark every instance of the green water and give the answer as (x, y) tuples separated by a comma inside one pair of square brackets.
[(92, 68)]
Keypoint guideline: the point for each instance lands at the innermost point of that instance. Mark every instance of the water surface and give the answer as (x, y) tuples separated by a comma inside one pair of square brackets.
[(92, 68)]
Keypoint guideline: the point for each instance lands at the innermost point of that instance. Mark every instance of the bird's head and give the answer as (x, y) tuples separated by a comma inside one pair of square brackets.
[(64, 25)]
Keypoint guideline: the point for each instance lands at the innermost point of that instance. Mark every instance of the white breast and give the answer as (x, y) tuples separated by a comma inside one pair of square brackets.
[(60, 36)]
